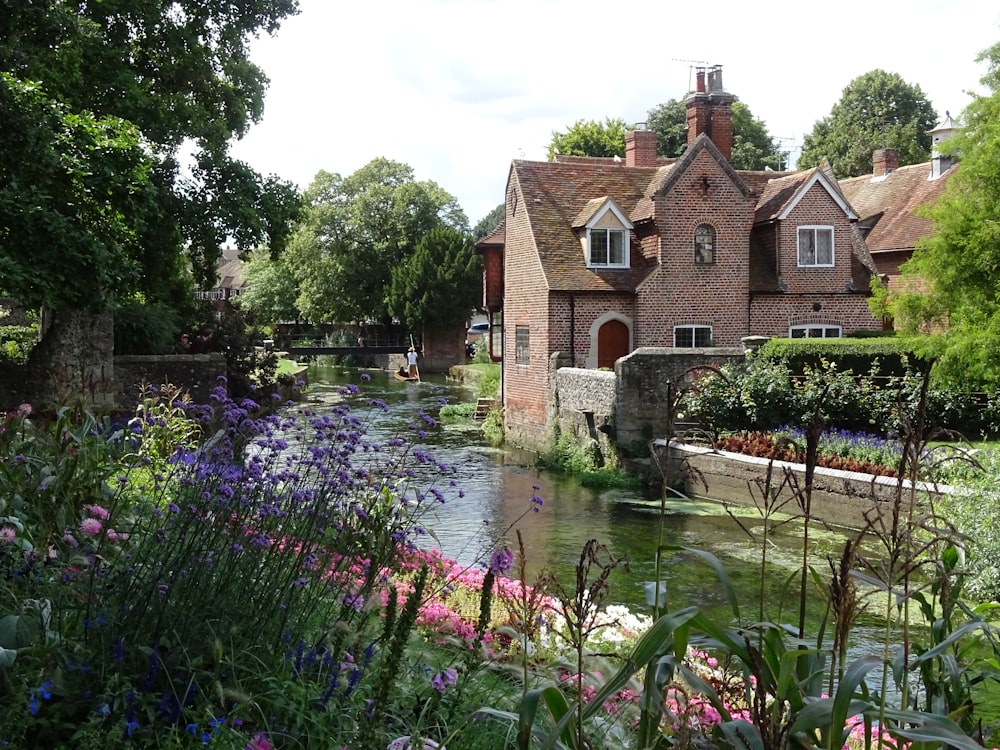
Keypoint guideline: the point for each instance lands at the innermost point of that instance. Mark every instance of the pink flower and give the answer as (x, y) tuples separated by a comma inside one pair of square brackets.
[(260, 742), (98, 512), (91, 526), (70, 540), (7, 534)]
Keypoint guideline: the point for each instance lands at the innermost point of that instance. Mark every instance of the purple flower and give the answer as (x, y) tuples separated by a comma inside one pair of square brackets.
[(442, 680), (501, 561)]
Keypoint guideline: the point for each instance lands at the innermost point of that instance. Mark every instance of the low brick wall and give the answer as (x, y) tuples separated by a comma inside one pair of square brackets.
[(840, 498)]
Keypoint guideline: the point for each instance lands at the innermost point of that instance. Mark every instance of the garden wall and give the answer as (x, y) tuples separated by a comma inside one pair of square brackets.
[(647, 381), (840, 498), (628, 407), (197, 374)]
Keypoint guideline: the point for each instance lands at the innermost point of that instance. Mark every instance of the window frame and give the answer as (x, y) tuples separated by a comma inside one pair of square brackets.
[(806, 327), (608, 231), (694, 330), (699, 251), (522, 345), (814, 230)]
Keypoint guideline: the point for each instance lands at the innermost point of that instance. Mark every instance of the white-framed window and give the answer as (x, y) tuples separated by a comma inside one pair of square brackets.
[(704, 244), (814, 331), (688, 337), (522, 345), (816, 246), (608, 247)]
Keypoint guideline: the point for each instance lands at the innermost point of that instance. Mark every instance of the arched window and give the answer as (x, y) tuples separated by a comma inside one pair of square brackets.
[(704, 244)]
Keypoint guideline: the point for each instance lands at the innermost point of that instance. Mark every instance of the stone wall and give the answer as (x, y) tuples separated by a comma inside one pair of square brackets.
[(196, 374), (839, 498), (648, 379), (583, 406), (72, 364)]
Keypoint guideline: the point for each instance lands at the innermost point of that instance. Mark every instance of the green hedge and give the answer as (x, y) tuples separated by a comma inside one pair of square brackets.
[(16, 342), (887, 355)]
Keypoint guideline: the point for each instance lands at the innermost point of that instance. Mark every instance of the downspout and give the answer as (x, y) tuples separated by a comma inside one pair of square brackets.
[(572, 330)]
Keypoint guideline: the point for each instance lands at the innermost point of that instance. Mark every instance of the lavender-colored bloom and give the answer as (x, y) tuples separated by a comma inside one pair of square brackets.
[(501, 561)]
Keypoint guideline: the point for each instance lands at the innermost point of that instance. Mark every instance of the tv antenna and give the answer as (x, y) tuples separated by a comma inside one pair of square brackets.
[(692, 64), (783, 153)]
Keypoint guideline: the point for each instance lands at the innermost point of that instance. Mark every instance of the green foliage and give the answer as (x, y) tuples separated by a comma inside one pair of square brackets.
[(877, 110), (493, 427), (488, 382), (73, 188), (488, 224), (753, 147), (146, 328), (357, 229), (271, 289), (957, 264), (457, 412), (98, 102), (16, 342), (438, 284), (590, 138), (766, 393), (879, 355)]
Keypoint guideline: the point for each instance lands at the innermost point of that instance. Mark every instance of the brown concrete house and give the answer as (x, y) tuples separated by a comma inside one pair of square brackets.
[(601, 256)]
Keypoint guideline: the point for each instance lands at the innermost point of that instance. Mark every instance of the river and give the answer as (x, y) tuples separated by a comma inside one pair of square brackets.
[(499, 484)]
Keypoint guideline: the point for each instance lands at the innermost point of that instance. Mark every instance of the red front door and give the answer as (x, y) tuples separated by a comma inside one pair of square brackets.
[(612, 343)]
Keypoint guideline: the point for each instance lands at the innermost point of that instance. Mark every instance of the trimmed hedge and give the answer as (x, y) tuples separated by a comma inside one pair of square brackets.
[(886, 355)]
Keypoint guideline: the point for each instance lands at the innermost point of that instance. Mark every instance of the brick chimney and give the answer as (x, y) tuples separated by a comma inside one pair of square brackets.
[(884, 161), (640, 148), (710, 110)]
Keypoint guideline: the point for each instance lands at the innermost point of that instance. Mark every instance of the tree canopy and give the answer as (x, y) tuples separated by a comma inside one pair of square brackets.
[(877, 110), (439, 284), (356, 230), (957, 267), (488, 224), (590, 138), (753, 147), (103, 100)]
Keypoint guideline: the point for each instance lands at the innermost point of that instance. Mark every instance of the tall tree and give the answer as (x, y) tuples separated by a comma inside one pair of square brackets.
[(877, 110), (174, 74), (590, 138), (357, 229), (271, 289), (439, 284), (752, 146), (488, 223), (957, 268)]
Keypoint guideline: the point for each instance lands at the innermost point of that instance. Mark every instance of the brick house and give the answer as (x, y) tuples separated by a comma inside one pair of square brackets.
[(601, 256)]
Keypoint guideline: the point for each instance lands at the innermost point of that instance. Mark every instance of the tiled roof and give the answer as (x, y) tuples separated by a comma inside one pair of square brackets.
[(777, 193), (495, 238), (889, 203), (556, 194)]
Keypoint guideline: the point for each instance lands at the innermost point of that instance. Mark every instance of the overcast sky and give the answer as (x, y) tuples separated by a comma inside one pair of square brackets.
[(458, 88)]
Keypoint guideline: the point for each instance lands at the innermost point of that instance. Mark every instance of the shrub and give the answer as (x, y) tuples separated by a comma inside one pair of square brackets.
[(146, 328)]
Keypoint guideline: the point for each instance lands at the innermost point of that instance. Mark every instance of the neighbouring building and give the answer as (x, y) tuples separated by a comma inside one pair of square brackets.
[(598, 257)]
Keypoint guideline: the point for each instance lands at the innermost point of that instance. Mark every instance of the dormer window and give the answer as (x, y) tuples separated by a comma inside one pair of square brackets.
[(608, 247), (607, 237), (815, 246)]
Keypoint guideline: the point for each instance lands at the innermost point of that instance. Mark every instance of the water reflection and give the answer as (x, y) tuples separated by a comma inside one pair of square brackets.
[(499, 485)]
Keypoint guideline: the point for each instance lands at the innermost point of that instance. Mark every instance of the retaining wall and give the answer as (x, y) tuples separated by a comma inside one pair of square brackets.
[(840, 498)]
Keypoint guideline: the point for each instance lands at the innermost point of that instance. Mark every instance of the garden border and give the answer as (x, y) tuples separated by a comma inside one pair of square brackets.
[(840, 498)]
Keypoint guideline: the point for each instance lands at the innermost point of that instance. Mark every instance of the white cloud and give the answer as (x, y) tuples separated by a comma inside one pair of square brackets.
[(458, 88)]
